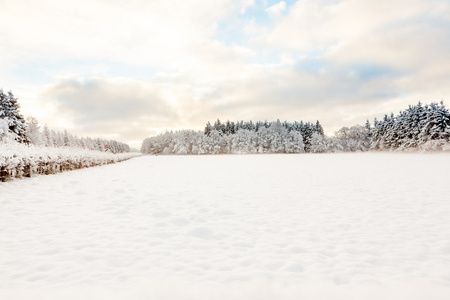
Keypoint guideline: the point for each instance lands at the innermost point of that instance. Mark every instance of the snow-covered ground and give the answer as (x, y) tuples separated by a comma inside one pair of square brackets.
[(331, 226)]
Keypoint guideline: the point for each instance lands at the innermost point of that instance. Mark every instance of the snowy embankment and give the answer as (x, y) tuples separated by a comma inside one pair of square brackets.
[(20, 160), (333, 226)]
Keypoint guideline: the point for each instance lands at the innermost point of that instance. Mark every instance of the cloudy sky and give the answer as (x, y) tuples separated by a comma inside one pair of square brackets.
[(128, 69)]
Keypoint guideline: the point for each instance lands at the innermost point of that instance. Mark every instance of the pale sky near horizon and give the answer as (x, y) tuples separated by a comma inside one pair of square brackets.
[(130, 69)]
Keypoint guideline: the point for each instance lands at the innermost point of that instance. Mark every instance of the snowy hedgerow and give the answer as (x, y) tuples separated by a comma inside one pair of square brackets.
[(21, 160)]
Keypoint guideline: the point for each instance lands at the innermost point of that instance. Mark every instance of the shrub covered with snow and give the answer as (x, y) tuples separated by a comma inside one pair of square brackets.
[(21, 160)]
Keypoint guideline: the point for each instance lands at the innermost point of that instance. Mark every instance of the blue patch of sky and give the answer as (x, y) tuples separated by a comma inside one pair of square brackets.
[(35, 72), (258, 13), (311, 62), (437, 23), (314, 64), (386, 94), (231, 30), (232, 33), (44, 71), (267, 57), (310, 65), (370, 71)]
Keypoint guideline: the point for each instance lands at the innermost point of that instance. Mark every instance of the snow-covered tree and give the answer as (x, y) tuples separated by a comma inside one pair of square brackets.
[(306, 130), (412, 128), (435, 123), (319, 143), (48, 138), (274, 139), (5, 135), (34, 133), (355, 138), (9, 110)]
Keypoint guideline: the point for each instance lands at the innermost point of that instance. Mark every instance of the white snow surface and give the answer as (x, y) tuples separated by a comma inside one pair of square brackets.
[(330, 226)]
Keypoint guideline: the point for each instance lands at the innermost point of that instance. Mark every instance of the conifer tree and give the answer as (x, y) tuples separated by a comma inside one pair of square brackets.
[(9, 110), (208, 129), (318, 128)]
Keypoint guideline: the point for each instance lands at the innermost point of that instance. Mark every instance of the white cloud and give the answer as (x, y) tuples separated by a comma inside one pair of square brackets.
[(324, 25), (276, 10), (244, 4), (137, 32), (106, 107)]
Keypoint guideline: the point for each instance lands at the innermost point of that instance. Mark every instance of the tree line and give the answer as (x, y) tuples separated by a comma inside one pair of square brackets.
[(306, 129), (28, 131), (419, 127), (273, 139)]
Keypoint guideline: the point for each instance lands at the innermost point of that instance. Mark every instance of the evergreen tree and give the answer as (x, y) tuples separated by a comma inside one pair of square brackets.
[(436, 123), (318, 128), (208, 129), (305, 130), (9, 110), (412, 128), (219, 127), (228, 128), (368, 127)]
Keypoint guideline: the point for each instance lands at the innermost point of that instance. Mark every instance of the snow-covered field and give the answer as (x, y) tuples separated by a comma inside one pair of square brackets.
[(331, 226)]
